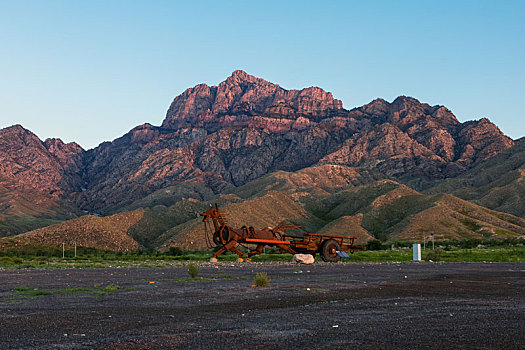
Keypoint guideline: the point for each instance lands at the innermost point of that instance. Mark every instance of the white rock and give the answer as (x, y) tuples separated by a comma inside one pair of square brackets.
[(306, 259)]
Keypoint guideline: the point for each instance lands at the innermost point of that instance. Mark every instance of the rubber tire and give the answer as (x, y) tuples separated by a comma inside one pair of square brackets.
[(329, 249)]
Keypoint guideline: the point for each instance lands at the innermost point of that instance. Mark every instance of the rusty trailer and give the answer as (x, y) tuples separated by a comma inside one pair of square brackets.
[(227, 238)]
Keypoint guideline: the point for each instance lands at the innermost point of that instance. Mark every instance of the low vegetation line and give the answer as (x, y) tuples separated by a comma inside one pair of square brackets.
[(491, 254)]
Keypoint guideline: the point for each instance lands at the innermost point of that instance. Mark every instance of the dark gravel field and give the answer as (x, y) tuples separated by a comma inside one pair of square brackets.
[(334, 306)]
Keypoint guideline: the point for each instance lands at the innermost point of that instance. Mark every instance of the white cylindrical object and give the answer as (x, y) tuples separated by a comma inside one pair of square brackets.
[(416, 248)]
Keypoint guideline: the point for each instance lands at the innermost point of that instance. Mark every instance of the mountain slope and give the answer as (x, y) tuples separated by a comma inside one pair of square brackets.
[(498, 183), (337, 205), (34, 176), (108, 233)]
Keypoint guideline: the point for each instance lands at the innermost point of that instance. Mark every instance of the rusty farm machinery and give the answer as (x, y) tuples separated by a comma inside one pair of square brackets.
[(330, 247)]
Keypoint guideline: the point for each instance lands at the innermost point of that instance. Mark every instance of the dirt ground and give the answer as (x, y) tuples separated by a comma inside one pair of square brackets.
[(340, 305)]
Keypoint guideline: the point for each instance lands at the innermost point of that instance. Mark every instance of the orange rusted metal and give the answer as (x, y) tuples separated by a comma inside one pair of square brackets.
[(228, 238)]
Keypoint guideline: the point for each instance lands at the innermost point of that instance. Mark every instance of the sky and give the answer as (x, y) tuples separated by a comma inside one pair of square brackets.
[(89, 71)]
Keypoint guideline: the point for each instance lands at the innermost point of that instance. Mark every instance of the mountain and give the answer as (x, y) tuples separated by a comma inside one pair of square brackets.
[(220, 137), (243, 139)]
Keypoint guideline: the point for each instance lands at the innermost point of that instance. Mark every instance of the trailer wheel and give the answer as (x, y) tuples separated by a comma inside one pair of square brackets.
[(329, 250)]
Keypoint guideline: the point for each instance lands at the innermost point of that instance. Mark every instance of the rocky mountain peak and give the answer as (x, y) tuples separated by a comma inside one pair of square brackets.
[(241, 77), (17, 137), (242, 96)]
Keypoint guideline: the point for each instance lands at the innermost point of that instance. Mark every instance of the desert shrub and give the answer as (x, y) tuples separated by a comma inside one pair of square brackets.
[(374, 244), (261, 280), (175, 251), (434, 254), (193, 270)]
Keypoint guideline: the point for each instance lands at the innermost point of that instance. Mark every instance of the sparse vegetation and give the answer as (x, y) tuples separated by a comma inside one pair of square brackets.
[(193, 270), (261, 280), (32, 292), (508, 250), (471, 225), (434, 255), (109, 288)]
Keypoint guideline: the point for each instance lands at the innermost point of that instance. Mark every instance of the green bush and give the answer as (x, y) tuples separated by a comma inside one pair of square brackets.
[(374, 244), (434, 254), (175, 251), (193, 270), (261, 280)]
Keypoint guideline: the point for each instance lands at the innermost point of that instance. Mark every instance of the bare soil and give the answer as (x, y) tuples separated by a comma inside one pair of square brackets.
[(340, 305)]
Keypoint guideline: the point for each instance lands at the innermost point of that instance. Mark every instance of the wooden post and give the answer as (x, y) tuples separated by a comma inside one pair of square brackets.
[(75, 249), (63, 250)]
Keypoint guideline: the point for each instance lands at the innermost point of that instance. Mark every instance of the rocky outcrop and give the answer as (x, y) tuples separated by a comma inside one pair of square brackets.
[(480, 140), (50, 167), (245, 95)]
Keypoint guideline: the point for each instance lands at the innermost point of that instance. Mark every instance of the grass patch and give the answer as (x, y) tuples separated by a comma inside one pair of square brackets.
[(90, 258), (107, 289), (261, 280), (515, 254), (29, 292)]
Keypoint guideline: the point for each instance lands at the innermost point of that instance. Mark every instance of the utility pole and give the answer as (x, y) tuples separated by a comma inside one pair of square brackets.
[(75, 249), (432, 235), (63, 250)]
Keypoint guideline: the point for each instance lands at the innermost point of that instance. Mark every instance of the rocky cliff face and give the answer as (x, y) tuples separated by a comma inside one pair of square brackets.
[(218, 137), (35, 179), (51, 166)]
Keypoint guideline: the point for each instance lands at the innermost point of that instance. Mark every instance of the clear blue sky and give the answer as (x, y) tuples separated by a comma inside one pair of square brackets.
[(88, 71)]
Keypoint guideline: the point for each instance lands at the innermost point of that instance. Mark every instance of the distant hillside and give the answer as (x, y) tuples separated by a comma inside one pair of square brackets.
[(498, 183), (381, 209), (108, 233)]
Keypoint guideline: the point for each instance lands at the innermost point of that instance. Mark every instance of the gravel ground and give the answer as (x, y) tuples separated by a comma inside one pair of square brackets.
[(341, 305)]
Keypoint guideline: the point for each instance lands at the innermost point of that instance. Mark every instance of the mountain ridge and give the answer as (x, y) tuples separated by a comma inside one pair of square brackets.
[(218, 138)]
